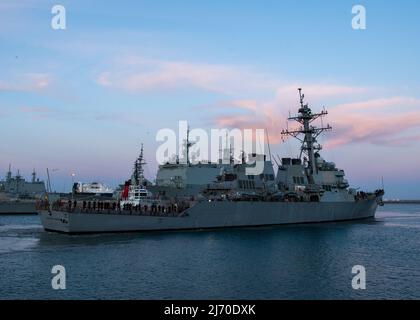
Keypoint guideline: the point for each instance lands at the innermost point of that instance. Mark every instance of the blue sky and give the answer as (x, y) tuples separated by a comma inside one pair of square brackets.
[(83, 99)]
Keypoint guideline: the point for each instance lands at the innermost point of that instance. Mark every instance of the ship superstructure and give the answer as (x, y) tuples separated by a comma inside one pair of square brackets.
[(235, 183), (16, 186), (183, 178), (18, 196), (135, 191), (309, 175)]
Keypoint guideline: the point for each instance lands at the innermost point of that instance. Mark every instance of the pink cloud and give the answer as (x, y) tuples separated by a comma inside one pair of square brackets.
[(138, 75), (381, 103), (388, 121), (27, 82), (320, 90), (258, 115), (385, 121)]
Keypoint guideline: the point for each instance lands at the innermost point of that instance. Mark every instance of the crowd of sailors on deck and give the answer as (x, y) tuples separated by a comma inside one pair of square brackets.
[(155, 209), (365, 195)]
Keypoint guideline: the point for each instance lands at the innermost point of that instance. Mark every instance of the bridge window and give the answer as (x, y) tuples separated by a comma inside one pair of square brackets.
[(298, 180)]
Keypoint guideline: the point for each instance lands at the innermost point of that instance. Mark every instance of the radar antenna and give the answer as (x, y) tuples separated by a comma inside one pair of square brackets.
[(307, 134)]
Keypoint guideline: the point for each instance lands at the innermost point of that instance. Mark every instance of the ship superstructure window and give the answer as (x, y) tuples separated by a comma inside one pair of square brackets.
[(230, 177), (267, 177), (298, 180), (246, 184)]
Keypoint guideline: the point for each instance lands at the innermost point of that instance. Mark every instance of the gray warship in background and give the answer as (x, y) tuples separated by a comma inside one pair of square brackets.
[(307, 189), (18, 196)]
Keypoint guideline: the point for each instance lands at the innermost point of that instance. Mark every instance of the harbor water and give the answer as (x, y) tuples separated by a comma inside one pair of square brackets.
[(312, 261)]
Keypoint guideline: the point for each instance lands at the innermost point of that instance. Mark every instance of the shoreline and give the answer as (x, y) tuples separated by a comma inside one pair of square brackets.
[(401, 201)]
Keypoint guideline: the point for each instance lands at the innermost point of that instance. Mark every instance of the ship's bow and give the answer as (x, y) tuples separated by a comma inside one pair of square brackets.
[(54, 220)]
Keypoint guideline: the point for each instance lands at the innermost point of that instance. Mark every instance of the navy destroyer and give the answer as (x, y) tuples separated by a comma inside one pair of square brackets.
[(307, 189)]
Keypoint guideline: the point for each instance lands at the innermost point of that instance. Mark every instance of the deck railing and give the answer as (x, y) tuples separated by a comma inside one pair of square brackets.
[(173, 210)]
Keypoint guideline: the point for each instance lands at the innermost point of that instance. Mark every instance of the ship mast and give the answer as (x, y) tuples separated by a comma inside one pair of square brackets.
[(188, 145), (307, 134), (227, 152), (138, 172), (9, 173)]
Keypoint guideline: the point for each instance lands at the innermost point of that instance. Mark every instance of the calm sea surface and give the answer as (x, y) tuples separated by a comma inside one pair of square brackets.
[(285, 262)]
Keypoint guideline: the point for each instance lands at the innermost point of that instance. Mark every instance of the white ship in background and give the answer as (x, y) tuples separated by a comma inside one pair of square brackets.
[(306, 189), (92, 189)]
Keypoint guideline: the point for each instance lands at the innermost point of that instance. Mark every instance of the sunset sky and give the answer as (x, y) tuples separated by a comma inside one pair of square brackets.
[(84, 98)]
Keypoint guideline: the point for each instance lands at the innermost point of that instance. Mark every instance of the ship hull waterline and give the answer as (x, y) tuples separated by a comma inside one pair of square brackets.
[(18, 208), (211, 215)]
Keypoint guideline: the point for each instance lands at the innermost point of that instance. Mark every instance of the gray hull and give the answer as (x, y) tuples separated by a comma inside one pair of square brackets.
[(10, 207), (217, 214)]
